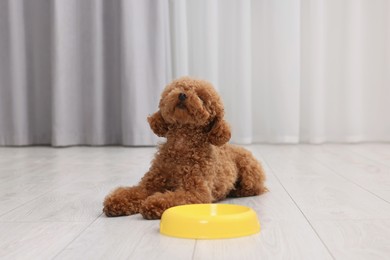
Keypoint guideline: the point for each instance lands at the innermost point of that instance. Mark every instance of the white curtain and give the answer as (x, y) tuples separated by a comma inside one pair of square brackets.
[(78, 72), (291, 71), (81, 71)]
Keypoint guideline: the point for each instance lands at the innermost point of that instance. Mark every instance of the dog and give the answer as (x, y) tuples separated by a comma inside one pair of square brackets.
[(195, 164)]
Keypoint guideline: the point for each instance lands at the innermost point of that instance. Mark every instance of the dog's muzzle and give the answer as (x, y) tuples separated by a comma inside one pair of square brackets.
[(182, 97)]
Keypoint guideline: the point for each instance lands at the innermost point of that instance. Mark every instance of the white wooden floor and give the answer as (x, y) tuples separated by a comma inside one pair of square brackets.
[(325, 202)]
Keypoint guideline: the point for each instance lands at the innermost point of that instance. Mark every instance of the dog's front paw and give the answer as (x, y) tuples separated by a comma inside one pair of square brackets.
[(115, 210), (115, 207), (120, 203), (154, 206)]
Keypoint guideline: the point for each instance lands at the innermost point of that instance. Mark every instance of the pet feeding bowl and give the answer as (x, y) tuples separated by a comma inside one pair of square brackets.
[(209, 221)]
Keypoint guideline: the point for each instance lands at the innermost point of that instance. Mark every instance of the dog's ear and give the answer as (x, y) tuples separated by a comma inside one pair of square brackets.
[(158, 124), (219, 132)]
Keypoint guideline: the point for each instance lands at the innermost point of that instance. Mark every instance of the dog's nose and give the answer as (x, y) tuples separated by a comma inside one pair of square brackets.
[(182, 96)]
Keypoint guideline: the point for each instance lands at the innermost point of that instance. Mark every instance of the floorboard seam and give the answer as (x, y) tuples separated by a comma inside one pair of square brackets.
[(295, 203), (77, 236), (193, 252), (345, 178)]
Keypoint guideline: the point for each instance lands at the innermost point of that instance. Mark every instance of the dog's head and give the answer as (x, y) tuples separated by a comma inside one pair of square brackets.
[(195, 103)]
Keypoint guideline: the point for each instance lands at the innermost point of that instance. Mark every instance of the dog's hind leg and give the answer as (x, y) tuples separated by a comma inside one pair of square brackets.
[(251, 176)]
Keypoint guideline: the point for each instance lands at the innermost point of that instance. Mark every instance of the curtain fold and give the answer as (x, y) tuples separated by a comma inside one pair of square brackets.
[(90, 72), (81, 72), (110, 58)]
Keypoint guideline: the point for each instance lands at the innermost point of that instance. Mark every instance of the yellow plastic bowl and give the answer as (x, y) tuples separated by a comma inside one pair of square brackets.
[(209, 221)]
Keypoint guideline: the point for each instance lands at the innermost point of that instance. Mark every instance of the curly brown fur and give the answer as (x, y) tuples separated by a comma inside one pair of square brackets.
[(195, 165)]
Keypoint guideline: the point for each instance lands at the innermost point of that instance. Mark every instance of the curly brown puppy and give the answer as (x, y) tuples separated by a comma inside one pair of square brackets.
[(195, 165)]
